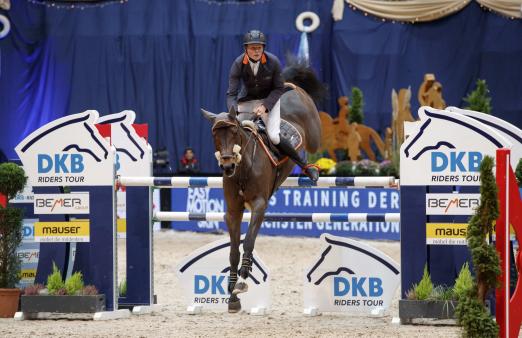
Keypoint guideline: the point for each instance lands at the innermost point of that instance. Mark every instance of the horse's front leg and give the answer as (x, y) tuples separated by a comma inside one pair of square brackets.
[(258, 213), (233, 220)]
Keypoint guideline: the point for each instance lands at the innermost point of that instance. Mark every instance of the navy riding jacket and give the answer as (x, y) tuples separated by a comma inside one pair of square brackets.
[(267, 85)]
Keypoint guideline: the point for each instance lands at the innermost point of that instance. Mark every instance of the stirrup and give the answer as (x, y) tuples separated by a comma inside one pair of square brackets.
[(308, 166)]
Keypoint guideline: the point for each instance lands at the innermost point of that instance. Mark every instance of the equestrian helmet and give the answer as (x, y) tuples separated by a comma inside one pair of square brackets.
[(254, 36)]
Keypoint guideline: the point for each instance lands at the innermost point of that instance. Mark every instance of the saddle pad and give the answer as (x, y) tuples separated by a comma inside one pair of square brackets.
[(288, 131)]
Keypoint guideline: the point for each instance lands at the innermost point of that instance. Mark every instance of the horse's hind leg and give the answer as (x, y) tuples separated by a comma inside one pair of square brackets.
[(258, 213), (233, 220)]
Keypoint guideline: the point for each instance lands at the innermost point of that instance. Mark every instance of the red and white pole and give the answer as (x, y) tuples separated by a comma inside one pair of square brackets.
[(509, 308)]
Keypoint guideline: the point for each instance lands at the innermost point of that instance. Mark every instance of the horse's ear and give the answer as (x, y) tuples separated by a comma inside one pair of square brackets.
[(232, 112), (208, 115)]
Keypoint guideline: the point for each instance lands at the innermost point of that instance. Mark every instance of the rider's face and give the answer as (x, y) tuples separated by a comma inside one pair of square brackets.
[(255, 51)]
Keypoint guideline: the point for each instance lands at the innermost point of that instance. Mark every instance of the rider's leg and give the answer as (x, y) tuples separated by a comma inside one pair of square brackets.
[(284, 145), (286, 148), (273, 125)]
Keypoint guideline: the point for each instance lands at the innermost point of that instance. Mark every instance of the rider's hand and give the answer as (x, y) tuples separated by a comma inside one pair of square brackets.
[(259, 111)]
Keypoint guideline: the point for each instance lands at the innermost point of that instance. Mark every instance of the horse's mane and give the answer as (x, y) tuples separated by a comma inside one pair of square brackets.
[(303, 76)]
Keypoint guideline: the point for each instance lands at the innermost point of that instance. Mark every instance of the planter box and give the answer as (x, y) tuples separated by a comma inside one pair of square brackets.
[(63, 304), (436, 309)]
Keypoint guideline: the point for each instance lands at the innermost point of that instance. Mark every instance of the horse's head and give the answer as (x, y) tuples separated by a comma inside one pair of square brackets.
[(227, 139)]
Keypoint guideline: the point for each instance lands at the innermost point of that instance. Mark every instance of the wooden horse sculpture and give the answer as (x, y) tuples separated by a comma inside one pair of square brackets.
[(334, 132), (337, 133), (401, 113), (249, 178), (430, 92)]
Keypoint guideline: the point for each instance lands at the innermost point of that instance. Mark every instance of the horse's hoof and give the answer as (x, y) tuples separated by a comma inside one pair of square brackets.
[(240, 287), (234, 306)]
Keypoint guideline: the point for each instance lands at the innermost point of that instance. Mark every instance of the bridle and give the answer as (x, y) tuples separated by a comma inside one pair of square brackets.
[(237, 148)]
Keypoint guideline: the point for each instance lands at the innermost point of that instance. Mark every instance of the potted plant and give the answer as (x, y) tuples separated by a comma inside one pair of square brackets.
[(425, 300), (12, 181), (59, 296), (479, 99)]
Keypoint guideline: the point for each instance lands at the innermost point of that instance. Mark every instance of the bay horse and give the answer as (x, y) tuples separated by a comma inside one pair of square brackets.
[(249, 178)]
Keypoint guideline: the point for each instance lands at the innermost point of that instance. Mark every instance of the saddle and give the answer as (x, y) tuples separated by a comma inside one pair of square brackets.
[(287, 130)]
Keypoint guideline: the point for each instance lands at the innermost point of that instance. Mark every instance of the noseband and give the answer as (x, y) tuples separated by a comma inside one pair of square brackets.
[(236, 150)]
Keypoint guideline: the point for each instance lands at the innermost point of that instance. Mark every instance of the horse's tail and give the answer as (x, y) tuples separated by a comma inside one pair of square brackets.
[(303, 76)]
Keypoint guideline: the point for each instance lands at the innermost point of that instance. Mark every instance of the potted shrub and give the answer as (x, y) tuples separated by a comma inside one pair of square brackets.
[(59, 296), (425, 300), (12, 181)]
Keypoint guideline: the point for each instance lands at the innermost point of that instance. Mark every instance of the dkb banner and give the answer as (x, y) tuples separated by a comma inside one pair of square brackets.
[(300, 200)]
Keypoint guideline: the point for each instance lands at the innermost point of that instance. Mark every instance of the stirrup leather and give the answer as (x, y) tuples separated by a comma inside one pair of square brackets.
[(310, 165)]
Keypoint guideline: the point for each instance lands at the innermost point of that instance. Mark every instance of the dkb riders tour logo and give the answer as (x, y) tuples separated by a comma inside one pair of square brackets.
[(350, 276), (204, 275), (68, 151), (446, 148)]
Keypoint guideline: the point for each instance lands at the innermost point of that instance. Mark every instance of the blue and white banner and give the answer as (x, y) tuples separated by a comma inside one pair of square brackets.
[(299, 200)]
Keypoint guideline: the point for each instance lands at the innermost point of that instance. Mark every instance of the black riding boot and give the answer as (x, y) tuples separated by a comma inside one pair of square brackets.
[(287, 149)]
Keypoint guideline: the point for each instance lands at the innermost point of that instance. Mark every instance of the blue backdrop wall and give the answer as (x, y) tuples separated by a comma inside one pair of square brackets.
[(166, 59)]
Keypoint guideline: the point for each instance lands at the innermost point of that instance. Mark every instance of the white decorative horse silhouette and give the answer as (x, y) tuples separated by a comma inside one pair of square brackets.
[(203, 275), (134, 155), (350, 271), (446, 143), (70, 146), (506, 129)]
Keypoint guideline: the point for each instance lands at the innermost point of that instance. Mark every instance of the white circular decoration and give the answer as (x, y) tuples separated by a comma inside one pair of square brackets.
[(4, 21), (299, 22)]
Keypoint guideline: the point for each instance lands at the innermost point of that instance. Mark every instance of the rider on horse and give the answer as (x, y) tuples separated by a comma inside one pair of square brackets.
[(255, 85)]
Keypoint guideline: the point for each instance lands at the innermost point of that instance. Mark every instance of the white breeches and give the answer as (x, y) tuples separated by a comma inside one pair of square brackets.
[(273, 122)]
